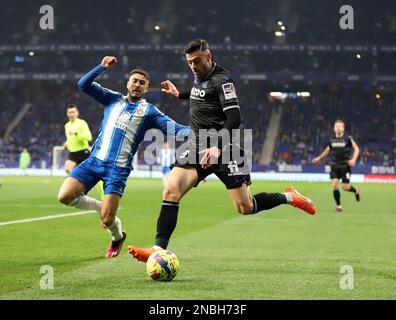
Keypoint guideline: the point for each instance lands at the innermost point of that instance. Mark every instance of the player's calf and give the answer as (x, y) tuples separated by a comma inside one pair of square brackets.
[(350, 188)]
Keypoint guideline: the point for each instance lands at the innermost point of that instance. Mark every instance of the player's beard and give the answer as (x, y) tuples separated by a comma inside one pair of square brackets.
[(135, 96)]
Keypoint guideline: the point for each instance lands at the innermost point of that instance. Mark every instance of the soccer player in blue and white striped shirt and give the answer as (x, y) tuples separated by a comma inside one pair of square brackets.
[(125, 122)]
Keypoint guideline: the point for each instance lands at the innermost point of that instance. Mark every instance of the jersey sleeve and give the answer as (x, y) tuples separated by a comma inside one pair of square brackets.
[(167, 125), (94, 89), (83, 132), (225, 87), (328, 144)]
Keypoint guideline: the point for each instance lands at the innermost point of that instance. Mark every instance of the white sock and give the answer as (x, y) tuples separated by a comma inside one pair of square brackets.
[(87, 203), (289, 197), (115, 229)]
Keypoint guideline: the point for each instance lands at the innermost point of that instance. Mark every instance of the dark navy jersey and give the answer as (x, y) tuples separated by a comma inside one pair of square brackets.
[(210, 97), (340, 149)]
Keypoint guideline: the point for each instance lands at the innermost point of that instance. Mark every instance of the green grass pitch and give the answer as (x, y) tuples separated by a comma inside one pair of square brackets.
[(281, 254)]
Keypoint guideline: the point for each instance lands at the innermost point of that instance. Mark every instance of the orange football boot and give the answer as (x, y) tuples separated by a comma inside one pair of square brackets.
[(140, 254), (300, 201)]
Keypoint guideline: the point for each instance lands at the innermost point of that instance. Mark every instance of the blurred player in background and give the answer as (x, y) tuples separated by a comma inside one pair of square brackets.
[(213, 105), (78, 137), (125, 122), (24, 160), (339, 148), (166, 159)]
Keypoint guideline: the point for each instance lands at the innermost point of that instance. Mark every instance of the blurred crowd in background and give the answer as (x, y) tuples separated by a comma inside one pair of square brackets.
[(367, 107)]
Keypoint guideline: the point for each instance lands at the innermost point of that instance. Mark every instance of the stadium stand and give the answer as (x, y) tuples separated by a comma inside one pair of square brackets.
[(312, 49)]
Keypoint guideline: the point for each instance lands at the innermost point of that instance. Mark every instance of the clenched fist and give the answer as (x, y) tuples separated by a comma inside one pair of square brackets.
[(169, 88), (109, 61)]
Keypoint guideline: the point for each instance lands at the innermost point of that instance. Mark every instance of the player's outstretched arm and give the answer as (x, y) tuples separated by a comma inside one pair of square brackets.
[(323, 155), (95, 90), (355, 155), (167, 125)]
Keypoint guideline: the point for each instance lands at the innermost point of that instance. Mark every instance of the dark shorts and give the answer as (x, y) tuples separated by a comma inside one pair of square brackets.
[(233, 175), (341, 172), (79, 156)]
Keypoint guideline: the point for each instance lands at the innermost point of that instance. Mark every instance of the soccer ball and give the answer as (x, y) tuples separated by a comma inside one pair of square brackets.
[(162, 265)]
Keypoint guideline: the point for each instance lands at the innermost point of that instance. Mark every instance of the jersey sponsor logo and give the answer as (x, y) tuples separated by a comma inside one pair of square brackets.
[(123, 121), (229, 91), (197, 92), (338, 144)]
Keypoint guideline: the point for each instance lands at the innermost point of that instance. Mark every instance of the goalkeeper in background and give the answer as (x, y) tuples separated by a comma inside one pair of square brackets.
[(78, 137), (24, 160)]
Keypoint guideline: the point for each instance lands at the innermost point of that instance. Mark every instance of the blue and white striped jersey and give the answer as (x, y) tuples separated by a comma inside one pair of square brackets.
[(124, 123)]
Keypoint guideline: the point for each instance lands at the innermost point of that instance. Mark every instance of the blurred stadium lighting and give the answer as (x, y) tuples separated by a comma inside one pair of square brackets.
[(277, 95), (304, 94)]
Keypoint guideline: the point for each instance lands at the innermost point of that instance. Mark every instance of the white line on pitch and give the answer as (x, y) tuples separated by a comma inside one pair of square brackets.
[(55, 216), (29, 205)]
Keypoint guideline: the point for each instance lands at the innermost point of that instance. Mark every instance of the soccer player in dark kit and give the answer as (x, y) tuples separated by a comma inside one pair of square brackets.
[(339, 148), (213, 105)]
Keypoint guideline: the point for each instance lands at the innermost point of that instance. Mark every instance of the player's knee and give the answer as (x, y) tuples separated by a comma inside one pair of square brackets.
[(64, 198), (106, 218), (171, 194), (244, 208), (346, 187)]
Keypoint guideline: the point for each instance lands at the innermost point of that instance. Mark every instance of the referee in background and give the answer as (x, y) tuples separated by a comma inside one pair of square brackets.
[(78, 137)]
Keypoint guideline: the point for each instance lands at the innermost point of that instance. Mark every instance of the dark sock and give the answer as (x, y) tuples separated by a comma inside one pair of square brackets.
[(266, 201), (337, 196), (351, 189), (166, 223)]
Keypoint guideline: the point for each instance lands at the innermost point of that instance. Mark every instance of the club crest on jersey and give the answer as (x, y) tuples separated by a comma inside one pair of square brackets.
[(123, 120), (140, 111), (229, 91)]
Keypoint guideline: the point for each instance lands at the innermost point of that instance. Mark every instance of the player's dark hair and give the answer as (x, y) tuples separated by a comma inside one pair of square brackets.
[(339, 121), (140, 71), (71, 106), (197, 44)]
